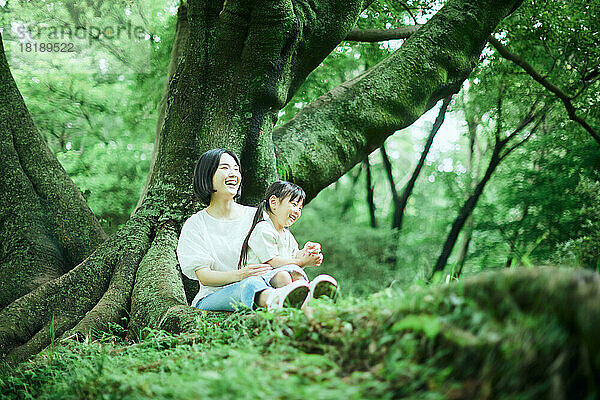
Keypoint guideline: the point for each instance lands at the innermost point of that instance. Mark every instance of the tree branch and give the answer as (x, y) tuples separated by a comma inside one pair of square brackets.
[(566, 99), (326, 24), (524, 122), (527, 136), (329, 136), (408, 188), (370, 192), (403, 4), (380, 35)]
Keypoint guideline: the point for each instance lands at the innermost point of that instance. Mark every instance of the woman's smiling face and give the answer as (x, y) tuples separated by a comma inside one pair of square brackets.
[(227, 178)]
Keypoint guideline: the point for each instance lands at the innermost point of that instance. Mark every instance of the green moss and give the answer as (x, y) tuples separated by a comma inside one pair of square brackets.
[(47, 228), (439, 342), (158, 286), (71, 296)]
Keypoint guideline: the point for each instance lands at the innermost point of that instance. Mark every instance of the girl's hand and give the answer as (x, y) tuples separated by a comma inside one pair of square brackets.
[(310, 259), (312, 247), (319, 260), (253, 270)]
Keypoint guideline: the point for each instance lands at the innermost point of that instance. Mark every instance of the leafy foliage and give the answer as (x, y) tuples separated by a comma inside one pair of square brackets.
[(428, 343), (99, 117)]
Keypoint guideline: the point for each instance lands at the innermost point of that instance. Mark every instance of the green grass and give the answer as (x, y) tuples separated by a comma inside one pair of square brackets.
[(419, 343)]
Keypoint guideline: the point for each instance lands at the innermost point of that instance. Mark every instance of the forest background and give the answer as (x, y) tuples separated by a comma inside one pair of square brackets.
[(97, 109), (510, 179)]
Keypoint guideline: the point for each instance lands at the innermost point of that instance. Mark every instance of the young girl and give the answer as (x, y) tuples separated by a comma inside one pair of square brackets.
[(269, 241)]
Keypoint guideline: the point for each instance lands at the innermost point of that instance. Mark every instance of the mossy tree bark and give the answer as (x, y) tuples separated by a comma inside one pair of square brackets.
[(235, 64), (46, 227)]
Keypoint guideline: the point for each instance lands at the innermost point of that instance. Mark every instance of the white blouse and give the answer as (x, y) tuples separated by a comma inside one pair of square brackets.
[(266, 242), (208, 242)]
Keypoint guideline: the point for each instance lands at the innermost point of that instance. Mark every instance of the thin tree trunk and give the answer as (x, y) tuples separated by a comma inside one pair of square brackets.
[(512, 240), (370, 191), (472, 173), (509, 261), (392, 259), (413, 179), (469, 205), (395, 198), (464, 248), (464, 213), (350, 200)]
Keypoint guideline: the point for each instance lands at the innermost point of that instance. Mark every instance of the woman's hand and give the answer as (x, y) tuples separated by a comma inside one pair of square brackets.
[(208, 277), (253, 270)]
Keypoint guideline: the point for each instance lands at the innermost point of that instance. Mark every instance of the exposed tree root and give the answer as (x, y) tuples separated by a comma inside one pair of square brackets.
[(115, 302), (158, 298), (182, 318), (68, 298), (44, 337)]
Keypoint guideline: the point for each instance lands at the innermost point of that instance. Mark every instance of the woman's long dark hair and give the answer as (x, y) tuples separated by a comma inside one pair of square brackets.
[(280, 189)]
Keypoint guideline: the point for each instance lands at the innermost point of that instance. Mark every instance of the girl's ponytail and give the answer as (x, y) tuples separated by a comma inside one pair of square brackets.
[(258, 216)]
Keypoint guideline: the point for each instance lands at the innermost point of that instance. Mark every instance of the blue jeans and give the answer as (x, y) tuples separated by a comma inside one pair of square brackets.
[(234, 296)]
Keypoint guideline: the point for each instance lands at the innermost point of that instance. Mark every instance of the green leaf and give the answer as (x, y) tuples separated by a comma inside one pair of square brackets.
[(428, 324)]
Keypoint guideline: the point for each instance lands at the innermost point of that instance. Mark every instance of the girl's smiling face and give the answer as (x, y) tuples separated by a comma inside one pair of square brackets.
[(227, 178), (284, 212)]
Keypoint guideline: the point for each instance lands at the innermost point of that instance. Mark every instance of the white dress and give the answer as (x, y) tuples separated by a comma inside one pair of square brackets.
[(208, 242)]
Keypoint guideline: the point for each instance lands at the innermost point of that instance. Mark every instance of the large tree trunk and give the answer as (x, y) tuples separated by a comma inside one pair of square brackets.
[(46, 227), (235, 64)]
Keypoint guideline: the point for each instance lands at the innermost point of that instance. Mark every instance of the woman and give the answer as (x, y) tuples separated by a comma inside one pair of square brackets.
[(210, 242)]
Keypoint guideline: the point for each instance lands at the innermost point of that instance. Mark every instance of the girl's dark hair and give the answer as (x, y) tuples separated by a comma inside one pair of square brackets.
[(205, 170), (280, 189)]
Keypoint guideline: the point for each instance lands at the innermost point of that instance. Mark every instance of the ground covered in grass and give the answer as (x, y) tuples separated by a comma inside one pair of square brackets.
[(429, 343)]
